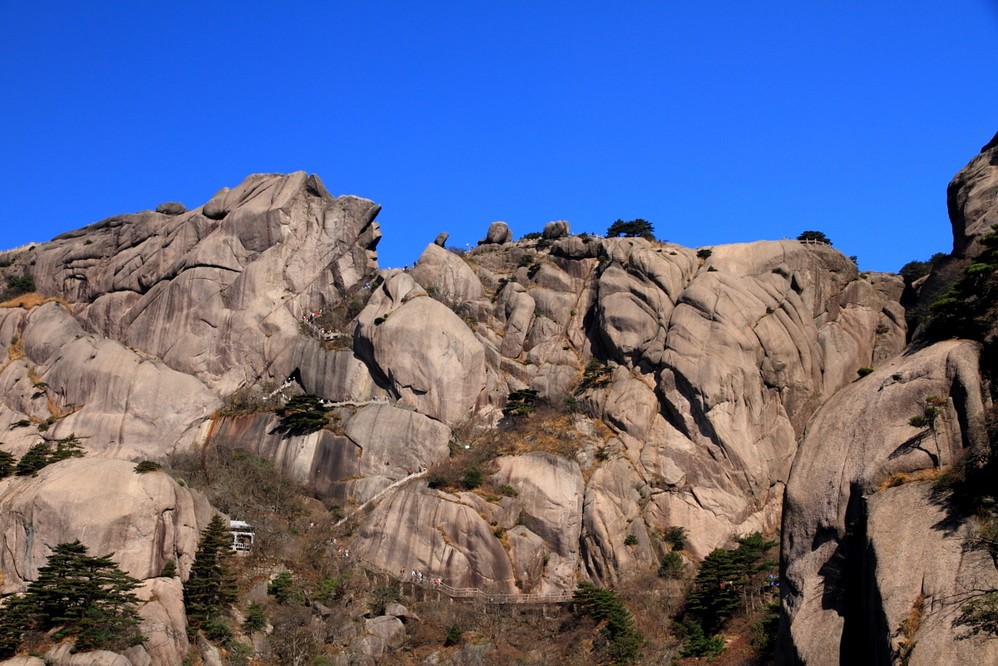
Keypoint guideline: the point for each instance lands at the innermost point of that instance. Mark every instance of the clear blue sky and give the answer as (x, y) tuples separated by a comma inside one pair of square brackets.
[(717, 121)]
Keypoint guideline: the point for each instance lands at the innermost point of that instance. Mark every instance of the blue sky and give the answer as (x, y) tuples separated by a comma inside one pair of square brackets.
[(717, 121)]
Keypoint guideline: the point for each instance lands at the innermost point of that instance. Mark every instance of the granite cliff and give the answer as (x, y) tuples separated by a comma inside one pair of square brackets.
[(724, 390)]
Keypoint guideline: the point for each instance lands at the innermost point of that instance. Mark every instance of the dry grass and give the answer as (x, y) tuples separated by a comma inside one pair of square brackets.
[(909, 627), (901, 478), (33, 300)]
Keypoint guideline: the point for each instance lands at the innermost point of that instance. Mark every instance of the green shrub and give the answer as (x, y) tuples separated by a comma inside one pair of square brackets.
[(596, 375), (472, 478), (980, 614), (507, 490), (676, 537), (282, 587), (698, 643), (216, 630), (147, 466), (672, 565), (520, 403), (169, 569), (631, 540), (967, 309), (926, 419), (764, 631), (865, 370), (255, 618), (704, 253), (75, 595), (381, 597), (20, 284), (8, 464), (454, 635), (723, 576), (35, 459), (354, 306)]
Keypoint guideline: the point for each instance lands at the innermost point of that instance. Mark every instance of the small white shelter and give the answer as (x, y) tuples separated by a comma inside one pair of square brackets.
[(242, 536)]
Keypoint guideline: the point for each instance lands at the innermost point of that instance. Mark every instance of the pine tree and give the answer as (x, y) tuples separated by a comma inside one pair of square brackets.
[(620, 632), (638, 227), (7, 464), (67, 447), (79, 596), (210, 587), (35, 459), (301, 415)]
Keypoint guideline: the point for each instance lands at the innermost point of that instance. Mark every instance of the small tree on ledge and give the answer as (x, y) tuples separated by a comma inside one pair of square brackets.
[(638, 227)]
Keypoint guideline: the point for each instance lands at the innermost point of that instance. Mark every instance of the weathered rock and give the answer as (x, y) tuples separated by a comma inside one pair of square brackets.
[(554, 230), (388, 628), (216, 298), (60, 656), (163, 620), (420, 350), (171, 208), (438, 534), (498, 234), (549, 493), (446, 274), (920, 566), (441, 239), (144, 519), (858, 439), (116, 400), (369, 646), (400, 611), (972, 199)]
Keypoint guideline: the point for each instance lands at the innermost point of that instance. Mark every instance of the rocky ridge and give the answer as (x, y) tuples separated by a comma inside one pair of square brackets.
[(686, 384)]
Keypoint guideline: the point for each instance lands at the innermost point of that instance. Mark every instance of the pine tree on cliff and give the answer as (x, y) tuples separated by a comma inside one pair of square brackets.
[(78, 595), (210, 587)]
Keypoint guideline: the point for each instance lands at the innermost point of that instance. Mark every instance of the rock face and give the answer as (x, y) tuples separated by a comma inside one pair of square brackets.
[(143, 520), (446, 275), (836, 510), (60, 380), (420, 350), (972, 199), (713, 393), (868, 542), (216, 292)]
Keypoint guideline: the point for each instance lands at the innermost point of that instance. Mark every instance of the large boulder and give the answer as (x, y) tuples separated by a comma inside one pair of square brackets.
[(555, 230), (441, 535), (498, 234), (420, 350), (447, 275), (145, 520)]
